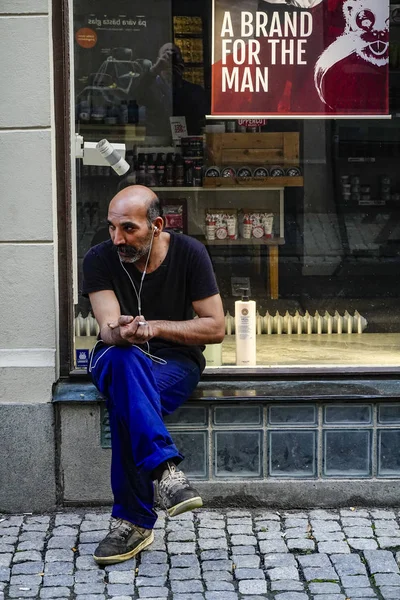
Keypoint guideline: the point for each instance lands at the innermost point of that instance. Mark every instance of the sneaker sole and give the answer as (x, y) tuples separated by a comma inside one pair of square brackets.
[(117, 558), (185, 506)]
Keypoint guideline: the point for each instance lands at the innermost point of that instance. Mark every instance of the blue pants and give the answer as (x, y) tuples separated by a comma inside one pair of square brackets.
[(139, 393)]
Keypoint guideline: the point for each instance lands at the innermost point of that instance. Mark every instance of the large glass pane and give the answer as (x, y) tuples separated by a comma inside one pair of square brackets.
[(303, 213)]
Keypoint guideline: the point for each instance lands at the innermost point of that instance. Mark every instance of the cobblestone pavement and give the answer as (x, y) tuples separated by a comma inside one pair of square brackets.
[(208, 555)]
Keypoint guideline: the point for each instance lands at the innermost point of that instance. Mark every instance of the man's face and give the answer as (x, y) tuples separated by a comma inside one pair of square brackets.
[(129, 231)]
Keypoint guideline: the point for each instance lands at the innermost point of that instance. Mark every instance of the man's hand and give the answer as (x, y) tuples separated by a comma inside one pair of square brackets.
[(135, 330)]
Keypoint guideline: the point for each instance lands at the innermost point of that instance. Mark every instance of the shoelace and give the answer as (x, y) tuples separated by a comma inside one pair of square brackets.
[(174, 479), (121, 529)]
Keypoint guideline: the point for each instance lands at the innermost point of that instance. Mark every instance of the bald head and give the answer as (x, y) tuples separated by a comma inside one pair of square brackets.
[(136, 199)]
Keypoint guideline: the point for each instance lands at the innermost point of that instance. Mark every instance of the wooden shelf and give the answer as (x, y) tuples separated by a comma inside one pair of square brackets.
[(275, 241), (257, 182)]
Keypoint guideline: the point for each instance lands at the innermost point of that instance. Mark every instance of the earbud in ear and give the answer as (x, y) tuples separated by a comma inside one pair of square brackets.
[(155, 228)]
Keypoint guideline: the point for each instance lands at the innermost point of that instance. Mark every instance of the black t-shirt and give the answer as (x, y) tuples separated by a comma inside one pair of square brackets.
[(185, 275)]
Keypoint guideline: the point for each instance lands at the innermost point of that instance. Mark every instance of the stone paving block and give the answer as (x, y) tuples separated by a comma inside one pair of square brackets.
[(152, 592), (10, 531), (317, 574), (387, 579), (187, 587), (219, 586), (296, 533), (59, 555), (271, 535), (5, 573), (89, 588), (212, 544), (293, 522), (242, 561), (240, 530), (255, 586), (249, 574), (147, 581), (184, 573), (268, 526), (390, 593), (86, 549), (66, 542), (267, 547), (16, 592), (54, 580), (30, 536), (184, 560), (26, 580), (14, 521), (127, 577), (216, 565), (380, 561), (359, 532), (389, 542), (207, 524), (382, 514), (58, 568), (153, 569), (355, 581), (300, 545), (279, 560), (283, 573), (28, 556), (91, 576), (65, 530), (291, 596), (67, 519), (127, 565), (92, 536), (212, 534), (120, 589), (153, 557), (188, 548), (287, 585), (324, 588), (29, 545), (266, 516), (222, 576), (314, 560), (182, 536), (356, 522), (245, 550), (320, 526), (55, 592), (8, 548), (328, 536), (333, 548), (362, 544)]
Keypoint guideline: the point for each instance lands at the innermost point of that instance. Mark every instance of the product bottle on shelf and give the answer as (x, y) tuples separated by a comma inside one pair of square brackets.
[(160, 170), (151, 179), (170, 170), (179, 171), (141, 169), (189, 172), (245, 331)]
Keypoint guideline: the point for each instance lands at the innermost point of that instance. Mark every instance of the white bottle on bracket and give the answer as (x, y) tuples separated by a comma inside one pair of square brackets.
[(245, 331)]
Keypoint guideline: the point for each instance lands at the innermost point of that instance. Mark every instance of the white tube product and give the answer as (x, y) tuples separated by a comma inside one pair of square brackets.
[(113, 158), (245, 331)]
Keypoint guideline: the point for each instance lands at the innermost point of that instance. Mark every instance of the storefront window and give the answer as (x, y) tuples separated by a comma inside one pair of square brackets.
[(303, 213)]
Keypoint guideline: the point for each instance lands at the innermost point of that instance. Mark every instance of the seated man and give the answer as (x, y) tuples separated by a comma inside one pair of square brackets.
[(144, 285)]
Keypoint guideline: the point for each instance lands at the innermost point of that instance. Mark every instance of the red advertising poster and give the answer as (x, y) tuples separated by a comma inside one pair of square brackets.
[(322, 58)]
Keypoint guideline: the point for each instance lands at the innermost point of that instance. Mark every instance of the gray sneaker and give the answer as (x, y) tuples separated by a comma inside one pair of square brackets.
[(175, 493), (124, 541)]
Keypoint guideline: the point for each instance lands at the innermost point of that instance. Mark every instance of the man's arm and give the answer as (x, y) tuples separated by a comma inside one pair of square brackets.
[(120, 330), (107, 312), (209, 328)]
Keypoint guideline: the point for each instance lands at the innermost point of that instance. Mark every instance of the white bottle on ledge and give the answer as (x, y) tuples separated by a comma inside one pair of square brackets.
[(245, 331)]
